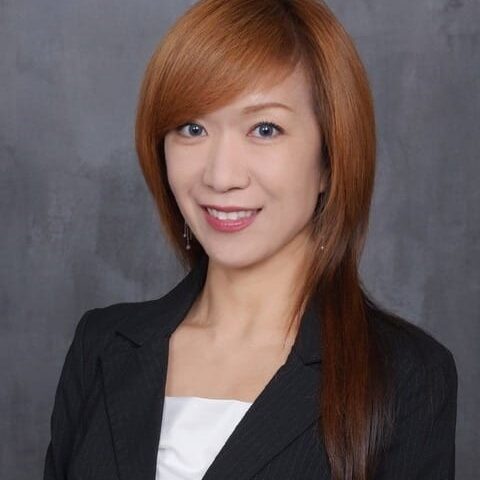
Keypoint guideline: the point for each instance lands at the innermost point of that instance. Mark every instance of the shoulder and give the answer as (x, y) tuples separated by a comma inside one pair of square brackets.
[(96, 330), (97, 326), (421, 365), (422, 414), (407, 344)]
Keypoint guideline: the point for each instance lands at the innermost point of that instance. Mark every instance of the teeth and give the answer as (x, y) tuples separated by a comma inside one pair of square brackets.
[(230, 215)]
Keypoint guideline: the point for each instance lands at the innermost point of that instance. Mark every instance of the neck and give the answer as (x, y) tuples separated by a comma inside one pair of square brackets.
[(252, 303)]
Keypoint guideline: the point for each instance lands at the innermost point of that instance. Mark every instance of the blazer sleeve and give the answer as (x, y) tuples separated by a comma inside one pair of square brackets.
[(423, 443), (69, 398)]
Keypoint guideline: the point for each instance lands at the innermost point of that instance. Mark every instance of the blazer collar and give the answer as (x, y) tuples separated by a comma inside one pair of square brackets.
[(134, 369), (163, 315)]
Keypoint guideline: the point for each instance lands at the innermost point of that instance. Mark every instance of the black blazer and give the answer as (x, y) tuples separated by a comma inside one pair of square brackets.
[(107, 413)]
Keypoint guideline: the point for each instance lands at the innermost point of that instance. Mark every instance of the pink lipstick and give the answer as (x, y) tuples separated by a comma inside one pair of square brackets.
[(230, 225)]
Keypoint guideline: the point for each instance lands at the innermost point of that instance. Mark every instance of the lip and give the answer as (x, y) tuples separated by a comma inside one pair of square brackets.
[(233, 208), (229, 226)]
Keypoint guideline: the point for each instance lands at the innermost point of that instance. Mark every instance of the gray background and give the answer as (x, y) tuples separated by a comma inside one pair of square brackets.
[(79, 229)]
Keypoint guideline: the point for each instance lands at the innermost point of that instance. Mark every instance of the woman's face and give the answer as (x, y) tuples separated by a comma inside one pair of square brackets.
[(236, 157)]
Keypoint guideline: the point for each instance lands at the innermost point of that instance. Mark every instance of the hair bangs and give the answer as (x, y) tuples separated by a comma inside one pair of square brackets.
[(207, 67)]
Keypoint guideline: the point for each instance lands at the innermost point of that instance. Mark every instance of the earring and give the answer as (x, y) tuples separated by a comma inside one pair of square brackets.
[(187, 234)]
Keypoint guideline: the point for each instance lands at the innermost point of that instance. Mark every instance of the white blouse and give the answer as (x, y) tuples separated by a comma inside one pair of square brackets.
[(193, 431)]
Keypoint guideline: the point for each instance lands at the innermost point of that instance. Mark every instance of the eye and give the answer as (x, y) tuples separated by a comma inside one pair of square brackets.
[(265, 129), (193, 129)]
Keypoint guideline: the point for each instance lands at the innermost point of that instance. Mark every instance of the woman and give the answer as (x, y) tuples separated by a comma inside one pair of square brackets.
[(256, 136)]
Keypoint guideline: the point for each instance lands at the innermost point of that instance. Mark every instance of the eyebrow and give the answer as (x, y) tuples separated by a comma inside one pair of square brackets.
[(262, 106)]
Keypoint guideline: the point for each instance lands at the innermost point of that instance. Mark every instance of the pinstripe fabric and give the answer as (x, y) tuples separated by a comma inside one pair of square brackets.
[(107, 414)]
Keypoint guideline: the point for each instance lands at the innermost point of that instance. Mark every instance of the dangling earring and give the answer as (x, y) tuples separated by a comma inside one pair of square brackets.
[(187, 234)]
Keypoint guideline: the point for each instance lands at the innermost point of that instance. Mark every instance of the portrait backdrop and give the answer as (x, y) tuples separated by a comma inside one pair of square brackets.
[(79, 229)]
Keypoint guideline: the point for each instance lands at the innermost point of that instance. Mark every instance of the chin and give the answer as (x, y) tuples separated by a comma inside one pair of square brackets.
[(228, 260)]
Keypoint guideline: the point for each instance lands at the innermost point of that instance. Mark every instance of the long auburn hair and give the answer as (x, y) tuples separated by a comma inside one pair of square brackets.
[(215, 51)]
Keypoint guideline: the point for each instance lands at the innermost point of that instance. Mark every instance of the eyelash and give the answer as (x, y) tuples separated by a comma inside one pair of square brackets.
[(259, 124)]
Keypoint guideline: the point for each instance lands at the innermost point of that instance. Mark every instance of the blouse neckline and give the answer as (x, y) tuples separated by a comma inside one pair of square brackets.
[(234, 400)]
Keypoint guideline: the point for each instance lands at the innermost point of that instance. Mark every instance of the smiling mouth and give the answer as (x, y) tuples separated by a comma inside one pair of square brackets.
[(231, 215), (230, 222), (232, 208)]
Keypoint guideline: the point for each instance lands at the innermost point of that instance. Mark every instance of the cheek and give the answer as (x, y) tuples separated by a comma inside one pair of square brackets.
[(177, 169), (172, 177), (306, 173), (292, 179)]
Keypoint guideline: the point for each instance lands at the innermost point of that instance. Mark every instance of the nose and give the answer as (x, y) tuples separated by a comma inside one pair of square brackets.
[(225, 167)]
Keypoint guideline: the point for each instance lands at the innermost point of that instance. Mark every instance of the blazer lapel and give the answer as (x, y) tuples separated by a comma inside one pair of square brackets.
[(134, 368), (284, 409)]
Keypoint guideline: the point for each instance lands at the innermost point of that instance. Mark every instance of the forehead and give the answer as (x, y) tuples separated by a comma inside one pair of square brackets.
[(290, 95)]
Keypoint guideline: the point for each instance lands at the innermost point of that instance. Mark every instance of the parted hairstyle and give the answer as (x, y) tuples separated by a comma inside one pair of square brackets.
[(215, 51)]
